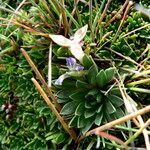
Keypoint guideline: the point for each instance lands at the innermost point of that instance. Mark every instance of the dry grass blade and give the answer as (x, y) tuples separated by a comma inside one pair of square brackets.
[(142, 81), (64, 17), (133, 31), (17, 23), (50, 66), (112, 138), (60, 6), (26, 27), (138, 132), (140, 122), (145, 51), (41, 79), (125, 57), (74, 9), (128, 104), (15, 12), (114, 17), (143, 73), (105, 36), (123, 18), (47, 100), (131, 107), (102, 15)]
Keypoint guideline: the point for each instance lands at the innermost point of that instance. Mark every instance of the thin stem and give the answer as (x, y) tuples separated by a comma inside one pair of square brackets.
[(74, 10), (96, 18), (47, 100), (106, 35), (127, 58), (90, 12), (141, 123), (48, 91), (143, 81), (138, 132), (123, 18), (103, 15), (64, 17), (20, 5), (129, 103), (145, 51), (141, 90), (50, 66), (133, 31), (114, 17), (143, 73), (112, 137), (26, 27), (16, 23), (125, 128)]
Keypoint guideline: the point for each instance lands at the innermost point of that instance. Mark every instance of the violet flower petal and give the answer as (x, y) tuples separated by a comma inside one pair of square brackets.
[(79, 68), (71, 62)]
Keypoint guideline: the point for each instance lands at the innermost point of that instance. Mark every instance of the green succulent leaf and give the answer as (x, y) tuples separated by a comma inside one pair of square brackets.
[(87, 125), (80, 109), (89, 113), (88, 61), (81, 122), (87, 104), (52, 136), (81, 84), (69, 108), (78, 96), (115, 91), (60, 138), (98, 119), (110, 107), (63, 94), (92, 92), (109, 74), (117, 101), (73, 121), (99, 109), (119, 113), (92, 74), (45, 111), (99, 97), (101, 78)]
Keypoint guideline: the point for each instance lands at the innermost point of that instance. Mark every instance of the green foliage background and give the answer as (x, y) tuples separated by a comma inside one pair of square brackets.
[(32, 125)]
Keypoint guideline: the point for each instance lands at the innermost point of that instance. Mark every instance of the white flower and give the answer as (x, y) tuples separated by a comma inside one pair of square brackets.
[(74, 44)]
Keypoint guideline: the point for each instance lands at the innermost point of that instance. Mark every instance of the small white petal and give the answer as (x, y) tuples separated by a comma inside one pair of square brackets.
[(142, 9), (77, 52), (60, 40), (80, 33)]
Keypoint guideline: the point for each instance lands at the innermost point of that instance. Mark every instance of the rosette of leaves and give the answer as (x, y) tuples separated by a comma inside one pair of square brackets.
[(86, 100)]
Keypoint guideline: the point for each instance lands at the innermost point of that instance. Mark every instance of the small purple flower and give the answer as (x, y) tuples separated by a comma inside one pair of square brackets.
[(71, 62), (79, 68), (73, 67)]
